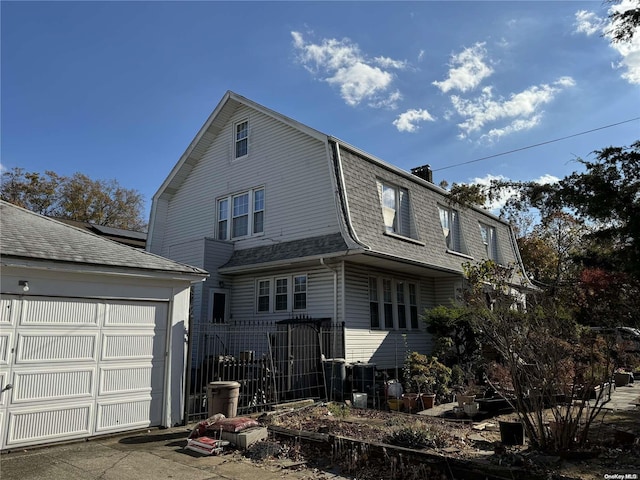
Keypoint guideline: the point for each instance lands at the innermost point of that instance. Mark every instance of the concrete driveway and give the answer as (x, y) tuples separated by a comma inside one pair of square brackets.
[(156, 455)]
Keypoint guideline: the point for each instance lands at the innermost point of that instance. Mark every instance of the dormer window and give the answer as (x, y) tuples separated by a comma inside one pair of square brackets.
[(396, 210), (450, 222), (488, 234), (242, 138)]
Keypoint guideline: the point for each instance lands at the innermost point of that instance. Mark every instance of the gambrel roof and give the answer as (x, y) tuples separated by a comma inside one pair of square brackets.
[(355, 176)]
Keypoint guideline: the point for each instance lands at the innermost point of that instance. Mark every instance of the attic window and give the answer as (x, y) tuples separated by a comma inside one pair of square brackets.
[(450, 222), (489, 239), (396, 210), (242, 138)]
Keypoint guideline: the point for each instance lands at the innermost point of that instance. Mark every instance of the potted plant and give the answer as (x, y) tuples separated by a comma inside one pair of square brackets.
[(427, 376)]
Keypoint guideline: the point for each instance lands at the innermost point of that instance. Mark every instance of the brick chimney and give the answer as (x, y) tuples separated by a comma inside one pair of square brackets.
[(424, 172)]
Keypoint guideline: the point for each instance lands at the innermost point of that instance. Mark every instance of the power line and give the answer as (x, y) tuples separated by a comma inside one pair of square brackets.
[(535, 145)]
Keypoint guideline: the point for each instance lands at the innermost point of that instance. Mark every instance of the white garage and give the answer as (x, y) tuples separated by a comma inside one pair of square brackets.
[(92, 333)]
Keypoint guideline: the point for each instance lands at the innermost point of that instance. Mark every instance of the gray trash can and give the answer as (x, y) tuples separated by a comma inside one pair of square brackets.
[(222, 397)]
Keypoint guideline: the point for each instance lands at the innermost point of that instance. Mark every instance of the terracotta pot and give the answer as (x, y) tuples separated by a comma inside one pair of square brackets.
[(428, 399), (410, 401)]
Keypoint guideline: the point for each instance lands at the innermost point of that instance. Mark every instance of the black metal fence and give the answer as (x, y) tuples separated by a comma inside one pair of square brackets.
[(274, 362)]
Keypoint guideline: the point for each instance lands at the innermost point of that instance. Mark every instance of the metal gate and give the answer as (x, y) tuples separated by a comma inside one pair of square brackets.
[(274, 362)]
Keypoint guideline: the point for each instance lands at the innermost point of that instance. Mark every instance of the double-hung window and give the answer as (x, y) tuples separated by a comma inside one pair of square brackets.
[(264, 295), (393, 304), (488, 234), (223, 218), (240, 217), (374, 311), (300, 292), (281, 294), (241, 139), (241, 214), (258, 211), (450, 222), (396, 210)]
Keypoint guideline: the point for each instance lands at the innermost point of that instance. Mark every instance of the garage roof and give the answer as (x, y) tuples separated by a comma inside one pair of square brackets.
[(28, 235)]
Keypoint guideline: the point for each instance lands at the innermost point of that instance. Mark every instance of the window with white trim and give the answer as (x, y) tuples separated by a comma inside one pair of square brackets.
[(374, 310), (223, 218), (396, 209), (282, 294), (393, 304), (235, 211), (241, 139), (300, 292), (488, 234), (450, 222), (264, 295)]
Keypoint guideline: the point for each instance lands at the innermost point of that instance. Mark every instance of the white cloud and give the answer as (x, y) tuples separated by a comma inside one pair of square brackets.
[(500, 202), (342, 64), (630, 50), (587, 22), (390, 102), (521, 110), (406, 122), (467, 69)]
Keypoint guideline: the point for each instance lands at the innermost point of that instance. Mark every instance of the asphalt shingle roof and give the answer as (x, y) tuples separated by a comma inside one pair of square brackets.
[(297, 249), (25, 234)]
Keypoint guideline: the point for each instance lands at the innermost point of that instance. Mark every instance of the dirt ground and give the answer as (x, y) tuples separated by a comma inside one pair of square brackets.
[(609, 452)]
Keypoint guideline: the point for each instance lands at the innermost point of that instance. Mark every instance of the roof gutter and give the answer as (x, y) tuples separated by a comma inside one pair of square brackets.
[(342, 193), (285, 263)]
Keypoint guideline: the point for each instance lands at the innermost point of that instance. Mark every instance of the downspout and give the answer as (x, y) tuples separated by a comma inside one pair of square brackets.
[(335, 290)]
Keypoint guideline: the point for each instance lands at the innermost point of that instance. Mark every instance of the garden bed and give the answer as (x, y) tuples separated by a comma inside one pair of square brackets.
[(379, 444)]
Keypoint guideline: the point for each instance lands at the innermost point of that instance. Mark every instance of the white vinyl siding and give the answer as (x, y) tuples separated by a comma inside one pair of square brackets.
[(385, 348), (320, 299), (292, 166)]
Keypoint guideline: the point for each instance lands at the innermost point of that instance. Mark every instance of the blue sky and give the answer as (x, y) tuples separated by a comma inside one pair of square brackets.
[(119, 89)]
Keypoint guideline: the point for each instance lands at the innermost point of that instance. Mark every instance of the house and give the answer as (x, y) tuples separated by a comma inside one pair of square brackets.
[(120, 235), (290, 221), (92, 333)]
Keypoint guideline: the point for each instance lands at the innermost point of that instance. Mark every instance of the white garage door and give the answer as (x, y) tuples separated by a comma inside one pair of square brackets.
[(73, 367)]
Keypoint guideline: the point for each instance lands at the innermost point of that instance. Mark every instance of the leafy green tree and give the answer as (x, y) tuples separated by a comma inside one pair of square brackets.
[(77, 197), (605, 196), (624, 20)]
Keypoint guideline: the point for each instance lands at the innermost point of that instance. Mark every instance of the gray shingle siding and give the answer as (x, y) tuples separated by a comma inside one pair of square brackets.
[(361, 176)]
